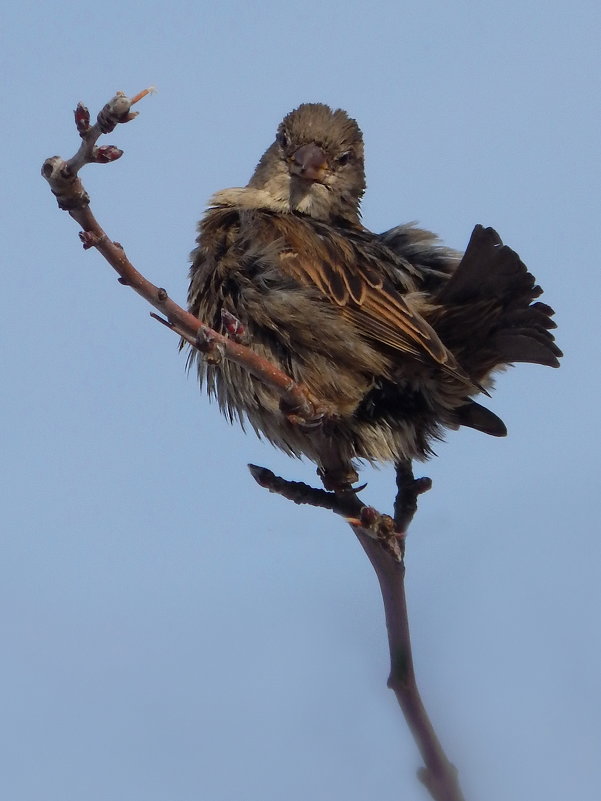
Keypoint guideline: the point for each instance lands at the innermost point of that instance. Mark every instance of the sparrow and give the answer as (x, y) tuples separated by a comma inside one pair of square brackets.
[(393, 335)]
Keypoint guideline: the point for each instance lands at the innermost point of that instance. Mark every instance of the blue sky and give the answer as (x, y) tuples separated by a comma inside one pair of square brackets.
[(171, 632)]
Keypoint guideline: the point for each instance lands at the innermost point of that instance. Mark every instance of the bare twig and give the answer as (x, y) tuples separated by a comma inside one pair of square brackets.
[(438, 774), (347, 504), (71, 196), (383, 539)]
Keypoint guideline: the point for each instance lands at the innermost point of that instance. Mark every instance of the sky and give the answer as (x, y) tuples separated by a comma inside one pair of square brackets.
[(171, 632)]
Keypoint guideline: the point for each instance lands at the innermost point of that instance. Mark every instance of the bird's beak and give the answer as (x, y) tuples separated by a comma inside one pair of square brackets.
[(308, 162)]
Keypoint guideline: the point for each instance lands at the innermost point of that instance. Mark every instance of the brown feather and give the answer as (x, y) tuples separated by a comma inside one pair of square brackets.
[(370, 302)]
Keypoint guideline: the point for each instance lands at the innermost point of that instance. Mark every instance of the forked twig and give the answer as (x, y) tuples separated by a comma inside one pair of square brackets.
[(383, 540)]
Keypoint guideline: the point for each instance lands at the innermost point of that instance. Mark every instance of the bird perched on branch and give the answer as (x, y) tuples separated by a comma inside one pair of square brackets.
[(392, 335)]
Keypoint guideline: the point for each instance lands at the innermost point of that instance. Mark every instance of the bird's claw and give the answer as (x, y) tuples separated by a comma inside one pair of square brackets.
[(340, 480), (233, 327), (307, 424)]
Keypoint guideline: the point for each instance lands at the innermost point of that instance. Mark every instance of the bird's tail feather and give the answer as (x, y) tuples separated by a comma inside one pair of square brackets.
[(486, 314)]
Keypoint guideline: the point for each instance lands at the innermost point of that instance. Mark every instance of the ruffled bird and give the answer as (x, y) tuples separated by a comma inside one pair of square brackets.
[(392, 335)]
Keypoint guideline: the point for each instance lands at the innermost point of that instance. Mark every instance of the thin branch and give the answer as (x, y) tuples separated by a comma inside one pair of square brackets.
[(439, 775), (383, 539), (345, 504), (72, 197)]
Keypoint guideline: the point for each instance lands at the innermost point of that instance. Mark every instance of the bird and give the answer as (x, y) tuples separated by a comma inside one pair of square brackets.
[(393, 335)]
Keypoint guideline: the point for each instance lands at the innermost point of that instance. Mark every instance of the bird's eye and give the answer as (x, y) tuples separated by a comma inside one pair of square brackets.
[(344, 158), (282, 139)]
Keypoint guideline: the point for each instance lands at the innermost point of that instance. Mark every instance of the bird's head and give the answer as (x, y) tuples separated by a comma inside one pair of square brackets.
[(315, 166)]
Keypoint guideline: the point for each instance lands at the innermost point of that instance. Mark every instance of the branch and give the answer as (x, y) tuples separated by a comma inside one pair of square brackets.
[(381, 536), (438, 775), (383, 540), (72, 197)]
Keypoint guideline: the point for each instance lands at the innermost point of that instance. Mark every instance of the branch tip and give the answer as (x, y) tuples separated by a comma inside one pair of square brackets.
[(261, 475), (151, 90), (422, 485), (82, 119), (106, 154), (162, 320)]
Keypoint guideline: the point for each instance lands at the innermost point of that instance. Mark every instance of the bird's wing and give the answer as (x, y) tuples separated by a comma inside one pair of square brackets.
[(349, 274), (432, 261)]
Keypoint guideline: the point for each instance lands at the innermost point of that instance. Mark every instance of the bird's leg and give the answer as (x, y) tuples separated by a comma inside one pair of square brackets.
[(335, 470), (339, 479)]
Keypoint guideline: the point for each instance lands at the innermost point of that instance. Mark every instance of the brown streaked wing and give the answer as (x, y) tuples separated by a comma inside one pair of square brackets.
[(388, 318), (366, 299)]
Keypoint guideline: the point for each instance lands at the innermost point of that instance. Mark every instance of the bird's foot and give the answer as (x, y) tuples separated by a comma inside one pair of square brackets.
[(209, 346), (340, 479), (307, 424), (309, 419), (234, 328)]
